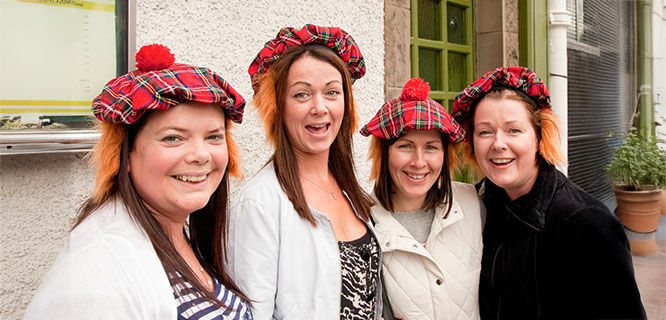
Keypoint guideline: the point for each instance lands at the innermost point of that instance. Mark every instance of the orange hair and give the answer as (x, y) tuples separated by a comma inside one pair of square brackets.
[(106, 158), (266, 103)]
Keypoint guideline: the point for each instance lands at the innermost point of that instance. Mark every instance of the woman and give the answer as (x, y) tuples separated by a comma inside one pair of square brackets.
[(164, 156), (429, 227), (300, 243), (551, 251)]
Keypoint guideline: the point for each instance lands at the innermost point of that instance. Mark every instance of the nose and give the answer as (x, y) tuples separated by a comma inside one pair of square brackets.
[(418, 160), (318, 105), (498, 143), (198, 153)]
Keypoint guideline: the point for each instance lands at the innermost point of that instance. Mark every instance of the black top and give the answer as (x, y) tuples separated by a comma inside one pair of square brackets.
[(359, 261), (554, 253)]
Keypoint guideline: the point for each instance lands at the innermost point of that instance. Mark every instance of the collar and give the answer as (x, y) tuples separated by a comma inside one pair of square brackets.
[(387, 227), (529, 209)]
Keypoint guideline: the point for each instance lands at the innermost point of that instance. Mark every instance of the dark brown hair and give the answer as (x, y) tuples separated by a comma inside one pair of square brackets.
[(440, 192), (270, 100), (206, 227)]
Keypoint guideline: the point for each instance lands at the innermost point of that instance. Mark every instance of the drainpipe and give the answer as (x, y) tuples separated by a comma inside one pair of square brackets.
[(559, 20), (644, 72)]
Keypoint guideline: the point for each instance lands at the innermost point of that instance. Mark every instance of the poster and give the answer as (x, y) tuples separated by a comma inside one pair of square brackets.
[(55, 56)]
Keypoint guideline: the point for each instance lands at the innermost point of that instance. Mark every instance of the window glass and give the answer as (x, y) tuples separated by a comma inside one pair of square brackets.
[(455, 24)]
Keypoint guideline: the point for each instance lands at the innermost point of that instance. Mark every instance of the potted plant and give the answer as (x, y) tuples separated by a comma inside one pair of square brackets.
[(638, 172)]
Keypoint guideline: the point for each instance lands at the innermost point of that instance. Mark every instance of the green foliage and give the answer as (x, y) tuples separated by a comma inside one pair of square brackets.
[(463, 173), (638, 164)]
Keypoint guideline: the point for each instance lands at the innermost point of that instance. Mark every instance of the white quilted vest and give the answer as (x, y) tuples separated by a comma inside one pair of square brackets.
[(438, 280)]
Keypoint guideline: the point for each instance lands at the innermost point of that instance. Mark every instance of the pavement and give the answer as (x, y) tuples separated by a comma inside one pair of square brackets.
[(651, 276)]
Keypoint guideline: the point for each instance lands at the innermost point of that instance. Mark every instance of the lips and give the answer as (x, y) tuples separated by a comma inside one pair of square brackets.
[(416, 176), (191, 178), (320, 128), (501, 161)]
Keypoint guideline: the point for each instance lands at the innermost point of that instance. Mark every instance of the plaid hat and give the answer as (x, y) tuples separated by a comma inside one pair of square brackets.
[(413, 110), (334, 38), (159, 83), (520, 79)]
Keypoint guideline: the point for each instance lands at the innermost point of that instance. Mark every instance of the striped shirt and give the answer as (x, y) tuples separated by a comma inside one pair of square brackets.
[(196, 307)]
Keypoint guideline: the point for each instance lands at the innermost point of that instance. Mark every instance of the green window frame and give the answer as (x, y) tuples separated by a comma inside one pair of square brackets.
[(440, 52)]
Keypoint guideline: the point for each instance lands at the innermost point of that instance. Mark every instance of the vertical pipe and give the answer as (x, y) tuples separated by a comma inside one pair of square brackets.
[(644, 76), (559, 20)]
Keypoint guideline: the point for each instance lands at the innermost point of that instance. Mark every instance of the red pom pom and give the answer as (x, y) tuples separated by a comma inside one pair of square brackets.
[(415, 90), (154, 57)]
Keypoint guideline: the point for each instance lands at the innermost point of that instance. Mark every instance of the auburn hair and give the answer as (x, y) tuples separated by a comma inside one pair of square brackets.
[(544, 122), (439, 193), (270, 102), (206, 227)]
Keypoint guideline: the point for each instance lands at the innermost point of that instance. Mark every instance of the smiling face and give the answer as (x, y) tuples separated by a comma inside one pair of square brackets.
[(506, 144), (314, 105), (414, 162), (179, 158)]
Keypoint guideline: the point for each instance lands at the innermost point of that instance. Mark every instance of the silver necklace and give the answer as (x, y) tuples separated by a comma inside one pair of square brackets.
[(320, 187)]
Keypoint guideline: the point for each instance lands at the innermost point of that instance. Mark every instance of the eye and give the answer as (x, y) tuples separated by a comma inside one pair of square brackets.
[(515, 130), (172, 139), (301, 95), (216, 138), (333, 93), (483, 133), (432, 147), (404, 146)]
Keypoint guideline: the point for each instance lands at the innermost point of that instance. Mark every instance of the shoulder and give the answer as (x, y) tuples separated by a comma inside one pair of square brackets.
[(263, 186), (107, 250), (465, 194), (576, 209)]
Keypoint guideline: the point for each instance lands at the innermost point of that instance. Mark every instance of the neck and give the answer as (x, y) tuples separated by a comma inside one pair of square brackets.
[(314, 166), (405, 204), (173, 226)]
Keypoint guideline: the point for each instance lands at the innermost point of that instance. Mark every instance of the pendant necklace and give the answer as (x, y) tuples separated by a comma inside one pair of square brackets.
[(320, 187)]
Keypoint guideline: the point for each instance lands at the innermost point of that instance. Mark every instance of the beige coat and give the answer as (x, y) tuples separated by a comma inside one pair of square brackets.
[(438, 280)]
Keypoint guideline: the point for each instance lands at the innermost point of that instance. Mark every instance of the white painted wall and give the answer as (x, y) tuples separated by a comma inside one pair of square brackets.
[(659, 67), (39, 194)]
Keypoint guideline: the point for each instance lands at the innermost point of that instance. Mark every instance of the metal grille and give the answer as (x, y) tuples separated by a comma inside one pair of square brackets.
[(602, 93)]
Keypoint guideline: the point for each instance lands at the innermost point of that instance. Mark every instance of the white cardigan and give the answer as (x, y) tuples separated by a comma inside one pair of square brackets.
[(108, 270), (290, 269), (438, 280)]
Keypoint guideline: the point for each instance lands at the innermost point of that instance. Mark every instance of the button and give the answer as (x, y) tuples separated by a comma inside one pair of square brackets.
[(439, 282), (415, 245), (388, 243)]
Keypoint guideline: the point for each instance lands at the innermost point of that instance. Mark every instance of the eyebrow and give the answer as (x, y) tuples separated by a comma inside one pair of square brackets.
[(310, 85), (180, 129)]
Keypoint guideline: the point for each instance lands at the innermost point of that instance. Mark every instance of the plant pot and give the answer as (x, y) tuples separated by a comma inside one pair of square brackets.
[(639, 210)]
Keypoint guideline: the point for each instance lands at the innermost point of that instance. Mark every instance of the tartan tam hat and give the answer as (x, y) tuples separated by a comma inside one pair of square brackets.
[(159, 83), (334, 38), (521, 79), (412, 110)]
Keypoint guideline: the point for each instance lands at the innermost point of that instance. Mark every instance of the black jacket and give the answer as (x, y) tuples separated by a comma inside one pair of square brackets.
[(554, 253)]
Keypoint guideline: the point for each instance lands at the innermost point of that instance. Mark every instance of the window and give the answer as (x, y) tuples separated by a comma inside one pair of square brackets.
[(56, 55), (442, 39)]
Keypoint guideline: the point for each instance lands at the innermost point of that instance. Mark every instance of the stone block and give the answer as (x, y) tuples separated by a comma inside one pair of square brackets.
[(511, 49), (511, 16), (396, 46), (397, 3), (489, 52), (488, 15)]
